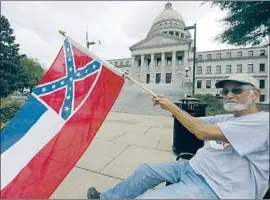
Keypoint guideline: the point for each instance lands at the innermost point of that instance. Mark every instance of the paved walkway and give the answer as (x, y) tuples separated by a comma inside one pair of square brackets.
[(123, 143)]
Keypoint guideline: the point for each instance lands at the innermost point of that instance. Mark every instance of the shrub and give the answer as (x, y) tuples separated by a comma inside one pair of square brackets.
[(7, 112), (214, 105)]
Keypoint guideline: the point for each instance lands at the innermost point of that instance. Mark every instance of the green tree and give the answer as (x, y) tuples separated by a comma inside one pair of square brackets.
[(214, 105), (10, 69), (32, 72), (246, 22)]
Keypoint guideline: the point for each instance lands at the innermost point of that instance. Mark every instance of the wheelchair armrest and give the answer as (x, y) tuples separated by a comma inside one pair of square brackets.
[(186, 156)]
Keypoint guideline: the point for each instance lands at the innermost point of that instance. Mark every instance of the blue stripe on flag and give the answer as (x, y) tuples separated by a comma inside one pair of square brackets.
[(25, 118)]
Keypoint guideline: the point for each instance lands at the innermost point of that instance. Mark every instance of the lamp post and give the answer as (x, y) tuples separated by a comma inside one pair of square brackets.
[(87, 42), (194, 56)]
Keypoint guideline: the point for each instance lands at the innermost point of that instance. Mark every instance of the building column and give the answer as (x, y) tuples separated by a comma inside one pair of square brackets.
[(152, 69), (173, 66), (133, 68), (186, 59), (163, 71), (142, 72)]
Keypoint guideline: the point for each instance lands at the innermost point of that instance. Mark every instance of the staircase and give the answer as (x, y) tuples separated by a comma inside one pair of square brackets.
[(133, 99)]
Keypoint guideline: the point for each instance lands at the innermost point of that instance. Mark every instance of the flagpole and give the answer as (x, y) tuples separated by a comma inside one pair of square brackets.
[(124, 74)]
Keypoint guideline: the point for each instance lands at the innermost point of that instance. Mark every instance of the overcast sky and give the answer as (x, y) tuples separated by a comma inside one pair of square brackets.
[(117, 24)]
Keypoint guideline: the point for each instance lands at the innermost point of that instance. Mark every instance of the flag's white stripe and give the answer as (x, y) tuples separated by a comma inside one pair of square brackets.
[(21, 153)]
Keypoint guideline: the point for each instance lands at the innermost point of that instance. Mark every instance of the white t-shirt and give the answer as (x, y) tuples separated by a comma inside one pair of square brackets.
[(240, 168)]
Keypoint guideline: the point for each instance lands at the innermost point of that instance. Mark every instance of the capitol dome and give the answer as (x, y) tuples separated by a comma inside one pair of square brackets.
[(169, 21), (168, 14)]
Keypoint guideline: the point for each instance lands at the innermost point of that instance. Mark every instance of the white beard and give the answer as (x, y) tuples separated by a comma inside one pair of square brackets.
[(235, 106)]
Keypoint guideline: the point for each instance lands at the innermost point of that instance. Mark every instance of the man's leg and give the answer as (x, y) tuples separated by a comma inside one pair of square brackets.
[(146, 177), (191, 186)]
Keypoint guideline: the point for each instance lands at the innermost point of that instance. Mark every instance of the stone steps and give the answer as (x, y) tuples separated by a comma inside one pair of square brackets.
[(134, 100)]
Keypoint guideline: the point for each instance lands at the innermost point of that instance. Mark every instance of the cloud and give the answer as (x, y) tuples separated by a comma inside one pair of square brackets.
[(117, 24)]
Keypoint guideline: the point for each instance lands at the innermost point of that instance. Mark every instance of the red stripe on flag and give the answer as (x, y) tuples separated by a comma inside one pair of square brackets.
[(58, 69), (49, 167)]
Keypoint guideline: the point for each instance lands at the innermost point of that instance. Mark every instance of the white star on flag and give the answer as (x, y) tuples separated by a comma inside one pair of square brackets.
[(44, 89), (70, 78), (62, 82), (53, 86), (69, 59), (86, 71), (78, 74), (68, 97), (66, 108), (94, 66), (70, 69)]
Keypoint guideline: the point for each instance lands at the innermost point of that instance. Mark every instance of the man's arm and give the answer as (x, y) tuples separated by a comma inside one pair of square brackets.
[(195, 125)]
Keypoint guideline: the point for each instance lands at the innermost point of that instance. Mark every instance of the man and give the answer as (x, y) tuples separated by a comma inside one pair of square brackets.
[(234, 162)]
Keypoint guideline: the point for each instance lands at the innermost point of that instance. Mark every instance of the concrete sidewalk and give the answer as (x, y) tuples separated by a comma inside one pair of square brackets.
[(123, 143)]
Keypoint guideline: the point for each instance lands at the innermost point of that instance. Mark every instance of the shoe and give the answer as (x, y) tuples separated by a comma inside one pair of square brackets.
[(92, 193)]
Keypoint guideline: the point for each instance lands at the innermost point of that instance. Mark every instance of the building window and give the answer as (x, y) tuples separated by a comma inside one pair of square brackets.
[(209, 56), (157, 77), (121, 62), (228, 54), (177, 33), (168, 77), (182, 35), (169, 61), (250, 67), (228, 69), (262, 52), (148, 62), (139, 62), (208, 83), (239, 69), (147, 78), (239, 54), (218, 70), (158, 61), (199, 84), (171, 32), (179, 60), (262, 98), (199, 70), (262, 67), (199, 57), (127, 63), (208, 70), (262, 84), (250, 53), (115, 64), (218, 55), (165, 32)]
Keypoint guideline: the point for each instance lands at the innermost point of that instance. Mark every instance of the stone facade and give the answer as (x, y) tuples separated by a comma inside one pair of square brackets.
[(163, 56)]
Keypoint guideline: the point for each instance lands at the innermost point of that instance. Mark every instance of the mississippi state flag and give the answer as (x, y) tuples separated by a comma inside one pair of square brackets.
[(46, 138)]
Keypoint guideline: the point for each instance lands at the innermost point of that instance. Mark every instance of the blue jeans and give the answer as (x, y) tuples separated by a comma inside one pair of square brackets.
[(185, 183)]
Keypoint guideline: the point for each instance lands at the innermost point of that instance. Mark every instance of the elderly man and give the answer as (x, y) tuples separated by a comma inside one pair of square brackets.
[(234, 162)]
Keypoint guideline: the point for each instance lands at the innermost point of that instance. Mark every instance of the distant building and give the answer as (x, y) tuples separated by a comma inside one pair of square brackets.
[(166, 52)]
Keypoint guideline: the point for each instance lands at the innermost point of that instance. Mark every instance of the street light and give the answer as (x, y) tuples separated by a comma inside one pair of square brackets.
[(89, 43), (194, 55)]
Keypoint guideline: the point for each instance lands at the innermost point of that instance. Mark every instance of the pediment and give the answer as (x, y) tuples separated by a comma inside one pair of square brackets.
[(158, 40)]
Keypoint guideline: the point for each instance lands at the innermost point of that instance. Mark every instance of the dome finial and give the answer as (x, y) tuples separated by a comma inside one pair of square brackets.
[(168, 6)]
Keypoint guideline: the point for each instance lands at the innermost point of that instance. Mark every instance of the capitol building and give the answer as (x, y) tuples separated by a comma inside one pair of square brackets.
[(165, 57)]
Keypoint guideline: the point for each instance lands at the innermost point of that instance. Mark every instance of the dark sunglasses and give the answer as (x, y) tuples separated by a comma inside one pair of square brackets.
[(237, 90)]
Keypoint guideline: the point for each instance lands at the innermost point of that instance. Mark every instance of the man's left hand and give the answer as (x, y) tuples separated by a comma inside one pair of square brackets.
[(164, 102)]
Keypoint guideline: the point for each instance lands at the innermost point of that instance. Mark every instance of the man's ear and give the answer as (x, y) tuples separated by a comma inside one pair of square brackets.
[(257, 93)]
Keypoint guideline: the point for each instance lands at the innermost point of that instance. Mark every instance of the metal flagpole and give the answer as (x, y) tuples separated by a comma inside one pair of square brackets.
[(124, 74)]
